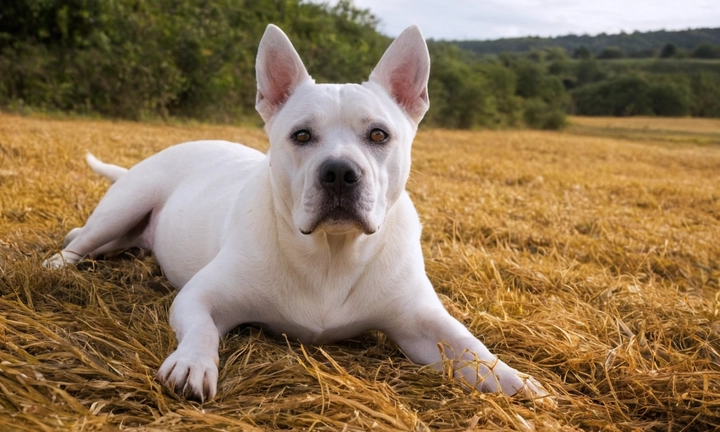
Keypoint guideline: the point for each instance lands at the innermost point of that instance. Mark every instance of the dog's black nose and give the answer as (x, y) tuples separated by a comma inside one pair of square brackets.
[(339, 174)]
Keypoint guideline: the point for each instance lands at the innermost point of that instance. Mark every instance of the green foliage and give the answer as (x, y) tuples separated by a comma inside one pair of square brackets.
[(705, 89), (140, 59), (628, 95), (635, 42), (539, 114), (669, 50), (582, 53), (611, 53), (587, 71), (683, 66), (467, 93), (186, 58), (621, 96), (706, 51), (670, 97)]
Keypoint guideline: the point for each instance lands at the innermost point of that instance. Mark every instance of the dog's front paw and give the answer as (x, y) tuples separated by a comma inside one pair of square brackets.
[(533, 390), (61, 260), (514, 383), (190, 373)]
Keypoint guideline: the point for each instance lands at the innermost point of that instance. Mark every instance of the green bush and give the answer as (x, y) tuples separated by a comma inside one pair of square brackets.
[(621, 96), (670, 98), (706, 51), (628, 95), (705, 87), (611, 53), (538, 114)]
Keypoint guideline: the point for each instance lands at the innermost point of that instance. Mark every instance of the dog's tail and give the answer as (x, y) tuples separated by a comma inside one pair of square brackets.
[(109, 171)]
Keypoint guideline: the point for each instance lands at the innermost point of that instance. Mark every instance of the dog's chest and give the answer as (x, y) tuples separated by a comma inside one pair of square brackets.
[(327, 310)]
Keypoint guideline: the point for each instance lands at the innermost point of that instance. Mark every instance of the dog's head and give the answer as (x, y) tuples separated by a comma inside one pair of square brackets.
[(340, 153)]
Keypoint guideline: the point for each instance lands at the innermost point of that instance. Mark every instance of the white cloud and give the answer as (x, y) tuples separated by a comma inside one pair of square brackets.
[(493, 19)]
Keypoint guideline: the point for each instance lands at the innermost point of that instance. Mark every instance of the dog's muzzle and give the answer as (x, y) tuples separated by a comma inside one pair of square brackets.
[(341, 182)]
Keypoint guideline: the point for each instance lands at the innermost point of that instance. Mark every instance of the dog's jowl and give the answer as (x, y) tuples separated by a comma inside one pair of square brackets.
[(317, 239)]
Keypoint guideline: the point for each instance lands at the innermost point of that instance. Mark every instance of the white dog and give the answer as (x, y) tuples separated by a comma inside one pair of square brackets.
[(318, 239)]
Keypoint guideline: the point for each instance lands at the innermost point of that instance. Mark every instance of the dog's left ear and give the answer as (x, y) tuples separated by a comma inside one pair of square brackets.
[(278, 71), (404, 71)]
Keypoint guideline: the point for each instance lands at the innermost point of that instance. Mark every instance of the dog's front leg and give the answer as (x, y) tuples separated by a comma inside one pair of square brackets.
[(200, 314), (192, 370), (425, 327)]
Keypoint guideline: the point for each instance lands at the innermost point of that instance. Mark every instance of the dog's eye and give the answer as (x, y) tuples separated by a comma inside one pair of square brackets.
[(378, 135), (302, 136)]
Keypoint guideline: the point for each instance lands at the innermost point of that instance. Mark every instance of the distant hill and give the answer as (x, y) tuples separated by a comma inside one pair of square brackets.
[(635, 43)]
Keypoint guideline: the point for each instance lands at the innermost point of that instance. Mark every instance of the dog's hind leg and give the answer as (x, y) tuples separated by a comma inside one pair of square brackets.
[(114, 224)]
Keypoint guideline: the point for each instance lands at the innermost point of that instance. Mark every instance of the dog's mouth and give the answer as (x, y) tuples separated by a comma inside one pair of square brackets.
[(340, 219)]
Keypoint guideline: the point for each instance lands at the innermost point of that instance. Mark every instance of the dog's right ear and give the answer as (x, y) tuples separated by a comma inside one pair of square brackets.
[(278, 70)]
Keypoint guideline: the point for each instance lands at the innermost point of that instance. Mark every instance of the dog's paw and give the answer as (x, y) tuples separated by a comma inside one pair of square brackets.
[(61, 260), (533, 390), (191, 374), (514, 383)]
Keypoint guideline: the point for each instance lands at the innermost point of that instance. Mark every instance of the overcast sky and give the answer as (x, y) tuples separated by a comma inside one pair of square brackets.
[(495, 19)]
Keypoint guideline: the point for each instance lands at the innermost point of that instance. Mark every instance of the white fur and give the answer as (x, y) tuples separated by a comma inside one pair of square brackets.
[(244, 238)]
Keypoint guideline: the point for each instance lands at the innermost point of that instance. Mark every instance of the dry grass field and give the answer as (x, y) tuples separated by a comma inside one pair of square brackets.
[(702, 131), (589, 258)]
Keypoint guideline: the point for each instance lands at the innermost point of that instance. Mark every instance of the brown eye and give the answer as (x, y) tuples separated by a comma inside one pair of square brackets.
[(302, 136), (378, 135)]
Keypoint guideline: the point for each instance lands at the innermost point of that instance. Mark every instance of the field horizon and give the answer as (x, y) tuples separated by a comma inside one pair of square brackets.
[(589, 258)]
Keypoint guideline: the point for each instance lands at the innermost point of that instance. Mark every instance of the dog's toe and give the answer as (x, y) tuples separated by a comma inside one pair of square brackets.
[(190, 374), (533, 390), (54, 262)]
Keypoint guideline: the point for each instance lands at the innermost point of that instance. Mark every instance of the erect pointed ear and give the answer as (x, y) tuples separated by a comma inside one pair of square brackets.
[(278, 70), (404, 71)]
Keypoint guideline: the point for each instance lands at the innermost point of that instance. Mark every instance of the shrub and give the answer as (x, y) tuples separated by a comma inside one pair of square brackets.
[(705, 87), (538, 114), (611, 53), (582, 53), (670, 50), (670, 98), (625, 95), (706, 51)]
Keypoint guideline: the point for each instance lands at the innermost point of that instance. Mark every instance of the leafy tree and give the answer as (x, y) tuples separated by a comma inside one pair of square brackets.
[(705, 88), (611, 53), (706, 51), (670, 97), (625, 95), (588, 71), (645, 53), (582, 53), (539, 114), (529, 78), (629, 43), (670, 50)]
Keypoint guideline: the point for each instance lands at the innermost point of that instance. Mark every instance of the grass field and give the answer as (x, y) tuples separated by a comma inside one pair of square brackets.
[(588, 258), (700, 131)]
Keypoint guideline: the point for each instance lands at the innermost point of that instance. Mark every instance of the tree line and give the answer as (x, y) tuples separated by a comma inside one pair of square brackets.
[(186, 58), (194, 59), (635, 45)]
